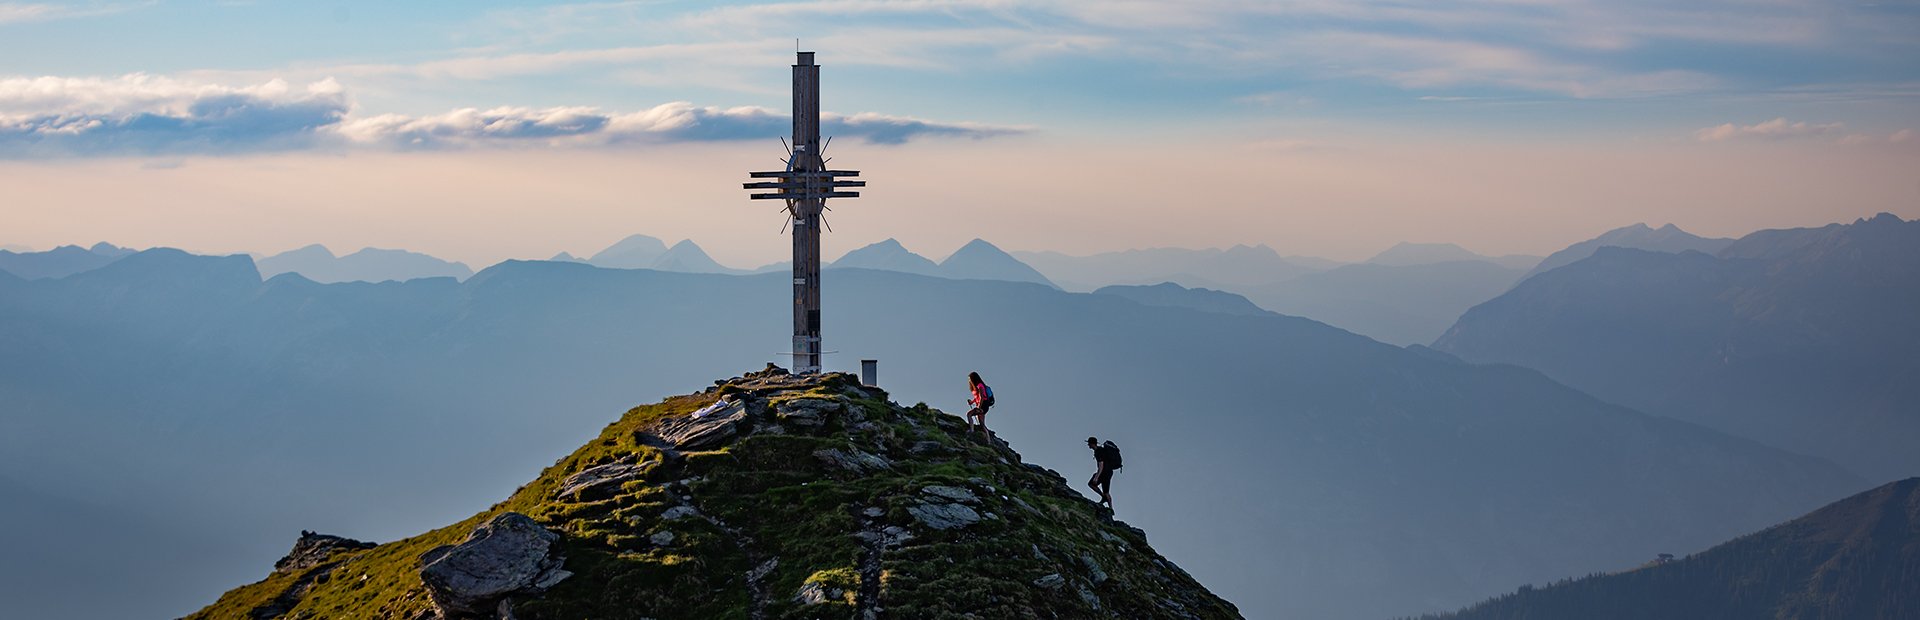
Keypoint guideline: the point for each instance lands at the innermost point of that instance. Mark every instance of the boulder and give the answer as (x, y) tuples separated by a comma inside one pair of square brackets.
[(807, 412), (507, 556), (1051, 581), (704, 433), (944, 516), (951, 494), (852, 460)]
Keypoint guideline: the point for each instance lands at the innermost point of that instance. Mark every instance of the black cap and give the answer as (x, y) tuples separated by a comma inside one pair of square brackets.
[(1092, 440)]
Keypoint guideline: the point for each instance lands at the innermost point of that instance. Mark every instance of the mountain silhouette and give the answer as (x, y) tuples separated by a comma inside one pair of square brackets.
[(1800, 338), (799, 497), (317, 263), (1238, 266), (59, 262), (1668, 238), (1851, 559), (1296, 469), (687, 257), (979, 260), (1176, 296), (633, 252), (888, 255)]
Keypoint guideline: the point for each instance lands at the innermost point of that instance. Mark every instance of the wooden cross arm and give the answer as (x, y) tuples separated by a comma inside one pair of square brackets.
[(800, 174), (804, 196), (802, 184)]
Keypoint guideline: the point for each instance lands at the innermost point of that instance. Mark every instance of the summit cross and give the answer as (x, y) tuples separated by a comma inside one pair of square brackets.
[(805, 185)]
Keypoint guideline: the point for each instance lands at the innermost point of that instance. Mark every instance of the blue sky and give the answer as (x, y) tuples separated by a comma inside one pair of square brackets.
[(174, 82)]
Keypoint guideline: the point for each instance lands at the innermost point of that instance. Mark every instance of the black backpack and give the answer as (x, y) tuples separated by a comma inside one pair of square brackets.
[(1113, 455)]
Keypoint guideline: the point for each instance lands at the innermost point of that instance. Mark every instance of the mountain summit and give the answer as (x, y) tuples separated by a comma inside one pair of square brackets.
[(888, 255), (768, 495), (979, 260)]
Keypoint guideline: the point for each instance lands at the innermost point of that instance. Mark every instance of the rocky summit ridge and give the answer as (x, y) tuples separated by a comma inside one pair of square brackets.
[(766, 496)]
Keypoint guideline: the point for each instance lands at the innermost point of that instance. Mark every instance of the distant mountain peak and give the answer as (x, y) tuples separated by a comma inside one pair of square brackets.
[(1881, 218), (1667, 238), (887, 255), (110, 250), (634, 252), (368, 264), (688, 257), (1411, 253), (980, 260), (311, 249)]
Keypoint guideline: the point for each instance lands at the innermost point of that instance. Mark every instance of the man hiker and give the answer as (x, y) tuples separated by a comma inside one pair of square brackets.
[(1106, 459), (981, 399)]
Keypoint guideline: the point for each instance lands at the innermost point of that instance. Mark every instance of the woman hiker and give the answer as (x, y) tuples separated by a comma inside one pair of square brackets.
[(981, 399)]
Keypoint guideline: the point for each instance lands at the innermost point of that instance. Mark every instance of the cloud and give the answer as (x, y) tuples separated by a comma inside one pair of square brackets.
[(1776, 129), (142, 114), (149, 115), (668, 122)]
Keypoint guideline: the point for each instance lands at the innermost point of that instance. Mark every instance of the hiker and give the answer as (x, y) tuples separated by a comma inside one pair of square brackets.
[(1106, 460), (982, 399)]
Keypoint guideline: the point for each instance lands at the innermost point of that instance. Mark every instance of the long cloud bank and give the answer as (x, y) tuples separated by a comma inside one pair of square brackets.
[(152, 115)]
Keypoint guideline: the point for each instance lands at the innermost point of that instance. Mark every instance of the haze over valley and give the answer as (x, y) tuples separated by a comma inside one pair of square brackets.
[(959, 310)]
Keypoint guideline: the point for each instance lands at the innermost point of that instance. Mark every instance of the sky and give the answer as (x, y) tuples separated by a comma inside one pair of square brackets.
[(482, 131)]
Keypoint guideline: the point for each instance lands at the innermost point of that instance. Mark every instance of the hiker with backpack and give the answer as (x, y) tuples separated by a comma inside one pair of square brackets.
[(1106, 460), (981, 399)]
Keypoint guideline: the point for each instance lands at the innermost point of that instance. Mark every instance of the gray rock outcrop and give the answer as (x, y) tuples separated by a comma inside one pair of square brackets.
[(706, 432), (852, 460), (944, 516), (595, 481), (507, 556)]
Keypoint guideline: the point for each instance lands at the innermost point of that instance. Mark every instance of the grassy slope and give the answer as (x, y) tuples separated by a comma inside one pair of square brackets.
[(767, 496)]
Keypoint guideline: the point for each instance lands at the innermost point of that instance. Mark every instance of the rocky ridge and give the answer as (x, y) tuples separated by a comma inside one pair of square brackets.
[(765, 496)]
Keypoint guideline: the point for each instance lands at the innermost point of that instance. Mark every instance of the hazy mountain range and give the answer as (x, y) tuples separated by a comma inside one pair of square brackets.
[(1240, 265), (59, 262), (1296, 469), (1410, 254), (1408, 294), (319, 264), (1668, 238), (644, 252), (1175, 296), (1852, 559), (1803, 338)]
